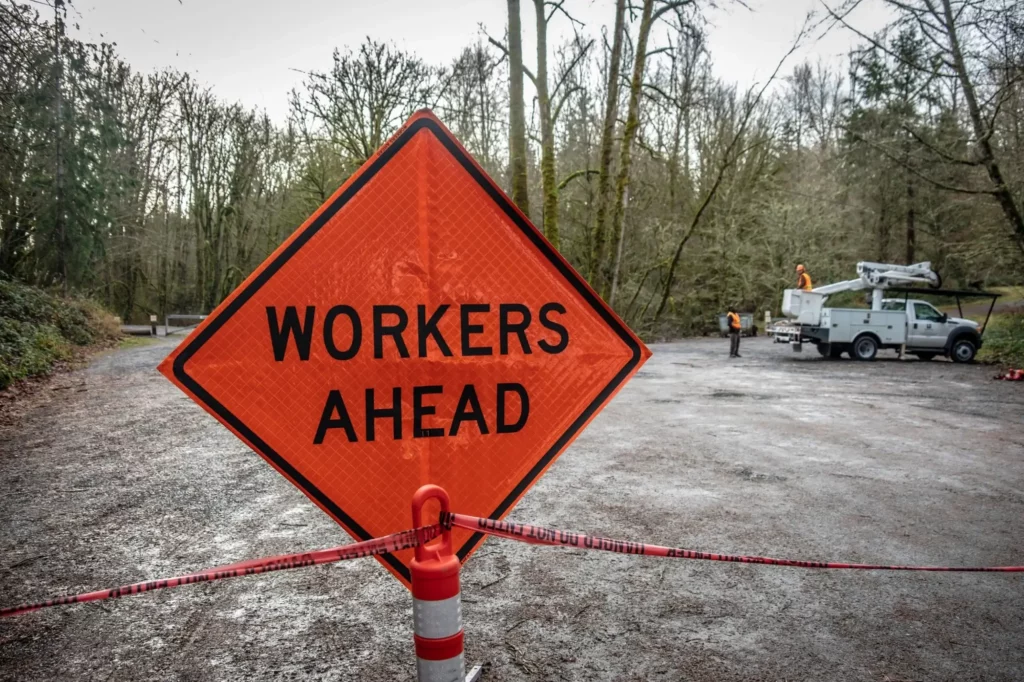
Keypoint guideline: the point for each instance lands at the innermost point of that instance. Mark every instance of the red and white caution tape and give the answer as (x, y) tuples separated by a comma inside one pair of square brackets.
[(539, 535), (390, 543)]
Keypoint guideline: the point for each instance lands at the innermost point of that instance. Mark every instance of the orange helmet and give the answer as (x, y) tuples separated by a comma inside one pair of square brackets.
[(800, 268)]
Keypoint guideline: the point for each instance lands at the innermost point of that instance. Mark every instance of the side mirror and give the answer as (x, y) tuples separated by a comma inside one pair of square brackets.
[(944, 317)]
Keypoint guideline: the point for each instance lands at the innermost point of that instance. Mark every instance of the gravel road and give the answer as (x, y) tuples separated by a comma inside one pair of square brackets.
[(111, 475)]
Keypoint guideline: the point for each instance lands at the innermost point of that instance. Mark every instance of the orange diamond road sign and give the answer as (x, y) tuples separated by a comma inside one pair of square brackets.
[(416, 329)]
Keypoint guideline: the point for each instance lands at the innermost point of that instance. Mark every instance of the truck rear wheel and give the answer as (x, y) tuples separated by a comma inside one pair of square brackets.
[(833, 351), (865, 348), (963, 351)]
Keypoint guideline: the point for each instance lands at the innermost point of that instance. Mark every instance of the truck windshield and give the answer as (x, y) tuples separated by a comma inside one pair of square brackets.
[(894, 305), (923, 311)]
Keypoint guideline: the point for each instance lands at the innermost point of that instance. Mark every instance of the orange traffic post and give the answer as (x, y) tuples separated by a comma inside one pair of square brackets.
[(436, 604)]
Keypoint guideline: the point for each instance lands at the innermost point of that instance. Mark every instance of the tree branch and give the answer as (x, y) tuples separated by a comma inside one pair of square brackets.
[(937, 183), (565, 72), (655, 88), (647, 148), (558, 7), (879, 46), (557, 111), (576, 174), (668, 7), (667, 48), (945, 155), (504, 50)]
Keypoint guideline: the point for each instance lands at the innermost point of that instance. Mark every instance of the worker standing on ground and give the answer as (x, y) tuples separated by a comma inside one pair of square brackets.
[(803, 280), (734, 333)]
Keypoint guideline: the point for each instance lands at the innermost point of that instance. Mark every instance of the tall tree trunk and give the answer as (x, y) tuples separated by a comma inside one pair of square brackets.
[(547, 134), (911, 222), (911, 235), (517, 112), (982, 131), (628, 135), (611, 111), (677, 138), (883, 230), (60, 217), (617, 265), (199, 294)]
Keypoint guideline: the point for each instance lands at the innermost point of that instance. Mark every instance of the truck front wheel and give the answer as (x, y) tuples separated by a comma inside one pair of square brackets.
[(963, 351), (865, 348)]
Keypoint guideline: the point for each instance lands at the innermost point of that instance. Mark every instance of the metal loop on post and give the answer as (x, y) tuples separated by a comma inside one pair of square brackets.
[(420, 498), (436, 604)]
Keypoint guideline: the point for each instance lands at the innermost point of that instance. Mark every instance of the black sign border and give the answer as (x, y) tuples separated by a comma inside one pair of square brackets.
[(496, 195)]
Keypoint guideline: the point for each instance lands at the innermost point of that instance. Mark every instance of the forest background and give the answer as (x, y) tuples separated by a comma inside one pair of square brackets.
[(675, 193)]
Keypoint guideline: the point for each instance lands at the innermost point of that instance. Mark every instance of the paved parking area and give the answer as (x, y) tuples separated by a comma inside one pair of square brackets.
[(115, 476)]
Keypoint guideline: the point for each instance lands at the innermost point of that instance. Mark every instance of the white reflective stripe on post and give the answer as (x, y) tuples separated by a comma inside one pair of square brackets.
[(450, 670), (437, 619)]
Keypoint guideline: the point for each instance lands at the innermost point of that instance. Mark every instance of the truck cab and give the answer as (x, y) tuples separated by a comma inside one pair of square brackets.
[(931, 332)]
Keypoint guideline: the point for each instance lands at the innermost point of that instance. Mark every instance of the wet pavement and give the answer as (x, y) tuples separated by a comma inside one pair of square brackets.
[(113, 476)]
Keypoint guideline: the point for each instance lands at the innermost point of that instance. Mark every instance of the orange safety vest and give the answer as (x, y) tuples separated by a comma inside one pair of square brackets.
[(734, 321), (804, 282)]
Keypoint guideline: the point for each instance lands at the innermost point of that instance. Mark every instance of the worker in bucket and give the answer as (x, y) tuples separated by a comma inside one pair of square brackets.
[(734, 332), (803, 280)]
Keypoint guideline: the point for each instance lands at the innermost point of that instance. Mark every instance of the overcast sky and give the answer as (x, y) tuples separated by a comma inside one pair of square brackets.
[(247, 49)]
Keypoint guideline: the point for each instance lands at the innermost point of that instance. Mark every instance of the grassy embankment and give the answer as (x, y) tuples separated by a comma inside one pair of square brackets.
[(39, 331), (1004, 340), (1004, 336)]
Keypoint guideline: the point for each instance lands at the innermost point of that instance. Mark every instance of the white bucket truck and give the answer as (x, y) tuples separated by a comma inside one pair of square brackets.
[(905, 324)]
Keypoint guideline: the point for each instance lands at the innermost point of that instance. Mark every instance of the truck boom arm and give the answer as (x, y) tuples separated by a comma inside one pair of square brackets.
[(882, 276), (805, 306)]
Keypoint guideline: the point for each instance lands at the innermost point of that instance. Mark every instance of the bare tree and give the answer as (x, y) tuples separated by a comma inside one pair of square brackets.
[(733, 152), (547, 133), (517, 111), (474, 106), (611, 112), (365, 97), (613, 256)]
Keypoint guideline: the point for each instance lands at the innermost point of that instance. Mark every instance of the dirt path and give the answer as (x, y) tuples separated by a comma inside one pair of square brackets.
[(121, 478), (1010, 301), (978, 311)]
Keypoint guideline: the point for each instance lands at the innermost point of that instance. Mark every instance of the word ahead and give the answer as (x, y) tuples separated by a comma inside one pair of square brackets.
[(336, 415), (341, 329)]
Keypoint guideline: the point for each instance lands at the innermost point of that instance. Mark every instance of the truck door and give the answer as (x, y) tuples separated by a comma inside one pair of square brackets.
[(927, 329)]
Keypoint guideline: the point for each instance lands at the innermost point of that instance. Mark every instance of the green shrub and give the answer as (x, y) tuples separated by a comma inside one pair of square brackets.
[(38, 330), (1004, 340)]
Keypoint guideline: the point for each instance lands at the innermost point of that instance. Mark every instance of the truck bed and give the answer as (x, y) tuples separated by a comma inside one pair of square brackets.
[(846, 324)]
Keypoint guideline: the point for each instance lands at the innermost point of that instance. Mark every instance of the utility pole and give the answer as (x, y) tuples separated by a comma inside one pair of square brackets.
[(60, 221)]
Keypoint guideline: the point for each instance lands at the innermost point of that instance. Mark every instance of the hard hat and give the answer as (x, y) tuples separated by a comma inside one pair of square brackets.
[(800, 268)]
